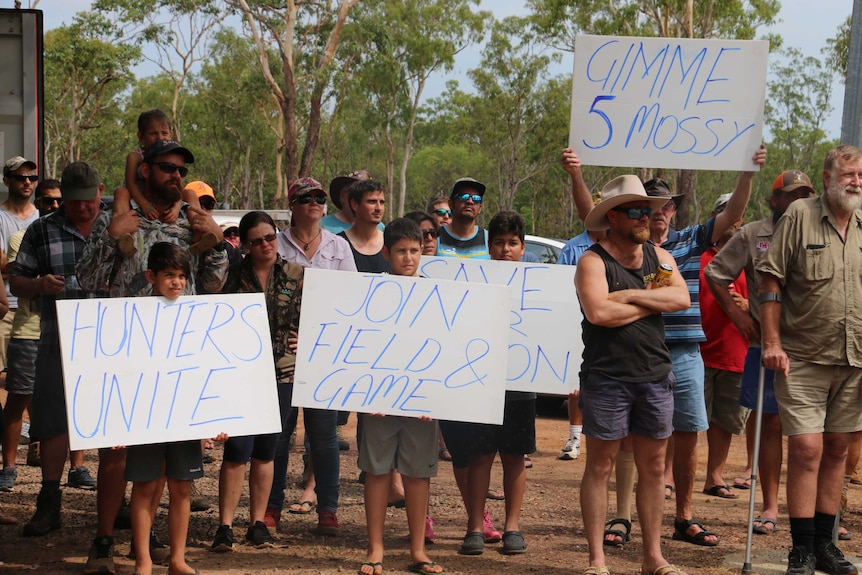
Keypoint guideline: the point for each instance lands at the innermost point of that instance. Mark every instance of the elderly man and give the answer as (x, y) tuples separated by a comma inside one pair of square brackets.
[(741, 253), (102, 264), (809, 293), (45, 268), (627, 379)]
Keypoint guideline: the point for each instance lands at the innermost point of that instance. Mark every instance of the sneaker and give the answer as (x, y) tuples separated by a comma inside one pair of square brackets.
[(80, 478), (829, 558), (343, 444), (123, 520), (272, 517), (429, 530), (223, 540), (47, 516), (199, 501), (571, 450), (258, 536), (327, 524), (8, 475), (473, 544), (800, 562), (24, 438), (490, 532), (159, 552), (34, 456), (100, 560)]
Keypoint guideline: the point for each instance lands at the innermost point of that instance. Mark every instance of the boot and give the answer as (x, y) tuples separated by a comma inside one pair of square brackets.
[(47, 516)]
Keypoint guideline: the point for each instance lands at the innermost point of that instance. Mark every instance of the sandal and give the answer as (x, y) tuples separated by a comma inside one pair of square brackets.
[(665, 570), (668, 491), (528, 463), (680, 533), (495, 494), (444, 455), (376, 568), (624, 536), (424, 568), (762, 529), (844, 535), (597, 571), (743, 484), (301, 507), (722, 491)]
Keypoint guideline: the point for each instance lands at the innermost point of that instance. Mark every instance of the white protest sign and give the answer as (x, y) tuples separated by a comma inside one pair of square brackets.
[(545, 343), (668, 102), (411, 346), (150, 370)]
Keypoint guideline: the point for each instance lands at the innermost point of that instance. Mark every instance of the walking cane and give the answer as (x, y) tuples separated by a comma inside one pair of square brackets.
[(746, 566)]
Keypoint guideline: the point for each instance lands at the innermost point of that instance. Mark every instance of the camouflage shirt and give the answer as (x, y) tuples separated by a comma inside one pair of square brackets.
[(283, 295), (102, 266)]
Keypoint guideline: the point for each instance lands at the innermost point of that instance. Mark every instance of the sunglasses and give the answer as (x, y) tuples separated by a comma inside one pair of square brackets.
[(256, 242), (634, 213), (477, 199), (231, 234), (50, 201), (24, 178), (170, 168), (444, 212), (308, 198), (207, 203), (429, 233)]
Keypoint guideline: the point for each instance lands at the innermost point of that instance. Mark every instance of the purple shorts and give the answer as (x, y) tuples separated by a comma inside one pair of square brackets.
[(614, 409)]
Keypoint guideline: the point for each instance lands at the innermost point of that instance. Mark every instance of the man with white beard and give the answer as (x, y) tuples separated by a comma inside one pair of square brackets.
[(810, 290)]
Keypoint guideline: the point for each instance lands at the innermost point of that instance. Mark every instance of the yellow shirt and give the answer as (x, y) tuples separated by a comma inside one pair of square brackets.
[(26, 322)]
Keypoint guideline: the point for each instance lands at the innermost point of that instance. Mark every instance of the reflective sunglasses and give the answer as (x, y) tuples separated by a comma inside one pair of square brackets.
[(634, 213), (477, 199), (24, 178), (429, 233), (444, 212), (256, 242), (308, 198), (170, 168)]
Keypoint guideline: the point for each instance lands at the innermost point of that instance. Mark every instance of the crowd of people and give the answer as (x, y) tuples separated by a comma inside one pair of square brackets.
[(681, 328)]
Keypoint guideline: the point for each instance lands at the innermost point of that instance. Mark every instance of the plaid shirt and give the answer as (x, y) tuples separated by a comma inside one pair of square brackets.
[(53, 245)]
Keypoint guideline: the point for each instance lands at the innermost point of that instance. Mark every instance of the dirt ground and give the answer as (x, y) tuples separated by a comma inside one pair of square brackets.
[(551, 524)]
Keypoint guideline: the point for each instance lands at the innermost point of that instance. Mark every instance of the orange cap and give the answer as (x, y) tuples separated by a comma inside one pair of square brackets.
[(201, 189)]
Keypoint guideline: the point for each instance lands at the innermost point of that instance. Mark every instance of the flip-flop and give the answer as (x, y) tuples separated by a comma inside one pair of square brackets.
[(424, 568), (597, 571), (301, 507), (668, 491), (743, 484), (444, 455), (762, 529), (722, 491), (496, 495), (374, 567)]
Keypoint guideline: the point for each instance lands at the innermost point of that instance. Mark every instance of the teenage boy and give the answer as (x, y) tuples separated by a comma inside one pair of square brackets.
[(168, 268), (513, 440), (406, 443)]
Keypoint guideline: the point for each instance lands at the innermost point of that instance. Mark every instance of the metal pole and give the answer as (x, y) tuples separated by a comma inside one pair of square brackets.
[(851, 124), (758, 424)]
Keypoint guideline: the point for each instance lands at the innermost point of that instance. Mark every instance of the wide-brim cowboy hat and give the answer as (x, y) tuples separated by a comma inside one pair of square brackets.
[(620, 190)]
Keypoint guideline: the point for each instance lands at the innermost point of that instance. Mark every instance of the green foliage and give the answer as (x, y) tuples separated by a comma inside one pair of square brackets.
[(838, 50)]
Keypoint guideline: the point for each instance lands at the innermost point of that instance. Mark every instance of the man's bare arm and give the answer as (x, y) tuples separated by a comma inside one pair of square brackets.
[(592, 289), (735, 209), (580, 192), (667, 299), (770, 318), (740, 318)]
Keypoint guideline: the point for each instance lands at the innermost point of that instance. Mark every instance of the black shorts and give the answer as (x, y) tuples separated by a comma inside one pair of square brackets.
[(517, 435), (179, 459), (244, 448), (48, 414)]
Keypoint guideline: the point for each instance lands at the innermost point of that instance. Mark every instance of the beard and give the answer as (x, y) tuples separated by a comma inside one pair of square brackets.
[(840, 197), (639, 235), (166, 193)]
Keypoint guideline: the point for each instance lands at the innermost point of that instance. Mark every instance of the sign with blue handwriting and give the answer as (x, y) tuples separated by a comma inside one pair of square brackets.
[(151, 370), (544, 325), (668, 102), (396, 345)]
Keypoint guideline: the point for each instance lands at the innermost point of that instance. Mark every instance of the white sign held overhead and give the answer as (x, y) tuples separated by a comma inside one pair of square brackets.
[(668, 102), (396, 345), (151, 370), (544, 318)]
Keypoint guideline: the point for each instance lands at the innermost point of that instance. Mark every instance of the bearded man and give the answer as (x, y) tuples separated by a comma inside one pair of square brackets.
[(811, 286)]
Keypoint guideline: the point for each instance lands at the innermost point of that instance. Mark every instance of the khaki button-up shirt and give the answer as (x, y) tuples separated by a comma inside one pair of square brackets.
[(821, 279)]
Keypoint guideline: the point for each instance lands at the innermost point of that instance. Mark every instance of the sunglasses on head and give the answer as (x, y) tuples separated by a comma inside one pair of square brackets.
[(634, 213), (477, 199), (170, 168), (257, 241), (308, 198), (443, 212), (24, 178)]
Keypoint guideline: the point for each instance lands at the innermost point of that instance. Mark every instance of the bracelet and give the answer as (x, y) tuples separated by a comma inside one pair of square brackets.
[(769, 296)]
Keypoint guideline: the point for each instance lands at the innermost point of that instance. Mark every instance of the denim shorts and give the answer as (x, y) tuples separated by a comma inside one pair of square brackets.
[(614, 409), (689, 403), (750, 381)]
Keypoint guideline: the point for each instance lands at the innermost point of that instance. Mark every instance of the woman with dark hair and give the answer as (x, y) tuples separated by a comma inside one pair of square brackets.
[(262, 270), (428, 225)]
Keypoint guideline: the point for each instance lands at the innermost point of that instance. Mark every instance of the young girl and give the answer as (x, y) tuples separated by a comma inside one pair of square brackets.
[(153, 125)]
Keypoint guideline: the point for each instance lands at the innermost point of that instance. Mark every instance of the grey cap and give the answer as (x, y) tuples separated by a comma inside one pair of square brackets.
[(80, 181), (467, 183), (16, 162)]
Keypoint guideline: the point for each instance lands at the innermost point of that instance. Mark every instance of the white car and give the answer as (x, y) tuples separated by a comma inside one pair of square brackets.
[(546, 249)]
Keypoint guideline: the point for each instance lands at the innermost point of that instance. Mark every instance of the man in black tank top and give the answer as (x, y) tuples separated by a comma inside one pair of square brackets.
[(627, 382)]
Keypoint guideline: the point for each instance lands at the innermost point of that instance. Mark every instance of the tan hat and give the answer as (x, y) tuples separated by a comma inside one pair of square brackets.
[(720, 203), (620, 190), (16, 162)]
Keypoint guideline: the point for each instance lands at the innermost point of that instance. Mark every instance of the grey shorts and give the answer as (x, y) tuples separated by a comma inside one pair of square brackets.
[(614, 409), (179, 459), (21, 365), (403, 443), (721, 391)]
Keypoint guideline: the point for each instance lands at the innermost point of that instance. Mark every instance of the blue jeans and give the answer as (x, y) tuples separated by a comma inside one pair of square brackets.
[(320, 433)]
